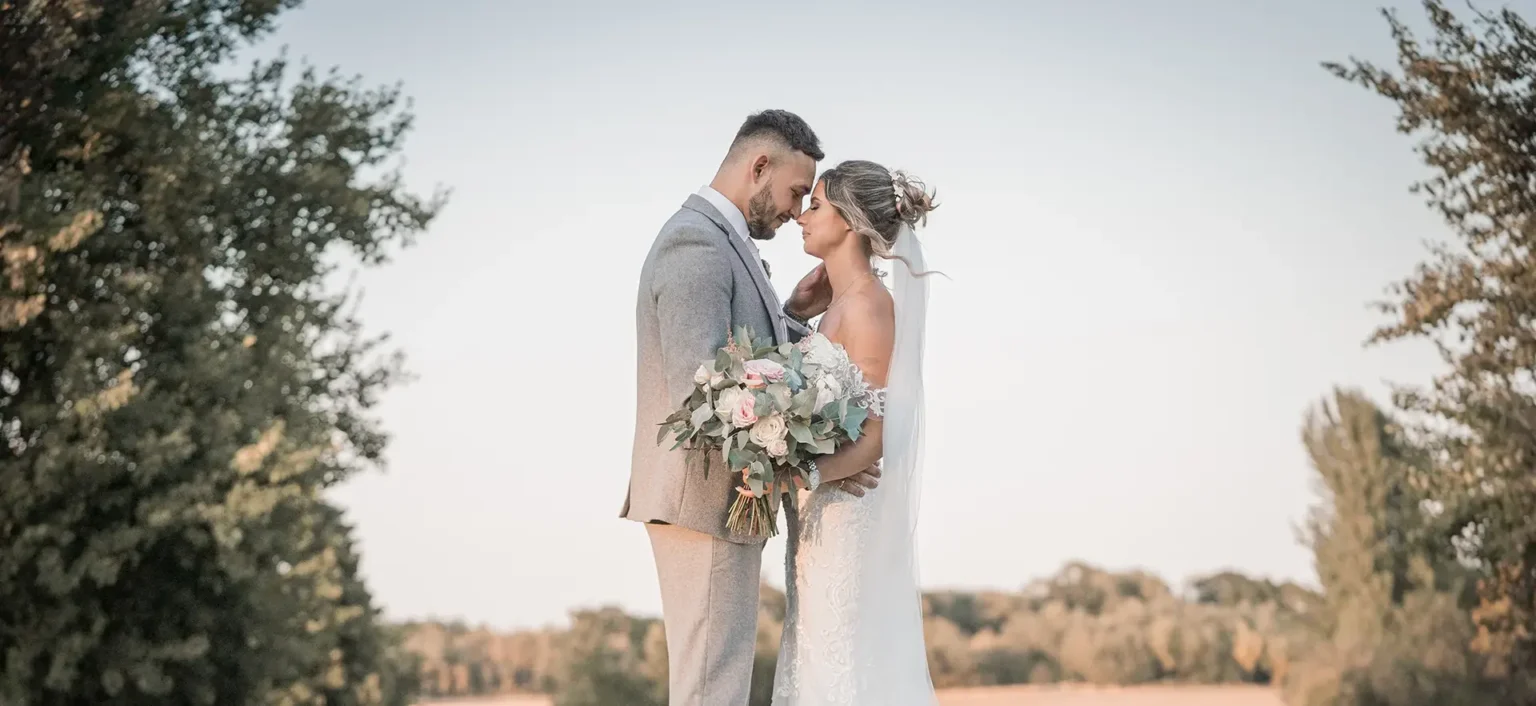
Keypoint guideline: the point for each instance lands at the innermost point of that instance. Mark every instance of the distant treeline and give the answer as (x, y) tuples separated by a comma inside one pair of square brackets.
[(1083, 625)]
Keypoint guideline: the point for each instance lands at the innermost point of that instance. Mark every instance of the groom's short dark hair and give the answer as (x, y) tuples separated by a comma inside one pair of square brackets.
[(783, 126)]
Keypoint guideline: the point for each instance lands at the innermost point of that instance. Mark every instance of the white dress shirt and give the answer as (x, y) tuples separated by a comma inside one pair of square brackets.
[(738, 223)]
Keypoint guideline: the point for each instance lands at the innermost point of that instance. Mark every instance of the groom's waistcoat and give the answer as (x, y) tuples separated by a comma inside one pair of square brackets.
[(699, 281)]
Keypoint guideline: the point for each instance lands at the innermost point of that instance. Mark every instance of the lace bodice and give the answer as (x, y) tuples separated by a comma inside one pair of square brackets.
[(833, 359)]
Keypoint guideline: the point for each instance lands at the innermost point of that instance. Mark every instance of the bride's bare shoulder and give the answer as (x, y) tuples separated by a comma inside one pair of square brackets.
[(868, 331), (873, 307)]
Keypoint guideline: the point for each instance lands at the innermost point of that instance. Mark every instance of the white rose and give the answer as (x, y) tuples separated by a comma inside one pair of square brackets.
[(725, 404), (768, 430), (702, 375), (828, 390), (778, 448), (717, 380)]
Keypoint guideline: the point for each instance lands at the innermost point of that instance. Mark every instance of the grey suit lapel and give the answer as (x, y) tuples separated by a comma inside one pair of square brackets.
[(764, 288)]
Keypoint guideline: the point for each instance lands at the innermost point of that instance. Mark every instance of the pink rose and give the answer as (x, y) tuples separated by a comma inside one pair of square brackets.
[(765, 369), (744, 412), (754, 380)]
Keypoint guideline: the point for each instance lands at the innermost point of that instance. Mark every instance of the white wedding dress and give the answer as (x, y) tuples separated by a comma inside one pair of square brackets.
[(853, 630)]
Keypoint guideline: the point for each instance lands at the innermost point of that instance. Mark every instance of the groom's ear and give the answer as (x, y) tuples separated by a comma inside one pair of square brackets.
[(760, 165)]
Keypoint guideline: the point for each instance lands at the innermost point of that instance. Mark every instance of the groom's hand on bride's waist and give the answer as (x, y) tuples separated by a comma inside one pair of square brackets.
[(858, 483)]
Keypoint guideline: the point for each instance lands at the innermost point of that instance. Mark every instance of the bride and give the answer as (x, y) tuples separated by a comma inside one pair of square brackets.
[(853, 633)]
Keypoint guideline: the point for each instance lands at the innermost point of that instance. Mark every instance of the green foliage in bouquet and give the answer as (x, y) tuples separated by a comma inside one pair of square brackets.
[(768, 410)]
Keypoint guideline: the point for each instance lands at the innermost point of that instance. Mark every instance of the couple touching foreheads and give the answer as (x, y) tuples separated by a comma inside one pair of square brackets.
[(853, 633)]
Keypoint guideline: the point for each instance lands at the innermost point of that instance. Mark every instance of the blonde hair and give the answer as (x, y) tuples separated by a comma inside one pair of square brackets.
[(876, 201)]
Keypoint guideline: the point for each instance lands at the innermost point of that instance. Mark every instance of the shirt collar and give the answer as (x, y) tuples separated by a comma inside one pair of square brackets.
[(732, 214)]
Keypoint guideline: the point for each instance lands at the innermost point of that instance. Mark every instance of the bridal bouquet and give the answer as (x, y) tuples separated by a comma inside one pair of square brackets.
[(767, 410)]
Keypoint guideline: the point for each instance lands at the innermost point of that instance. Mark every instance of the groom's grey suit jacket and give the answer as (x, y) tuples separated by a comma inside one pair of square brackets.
[(698, 282)]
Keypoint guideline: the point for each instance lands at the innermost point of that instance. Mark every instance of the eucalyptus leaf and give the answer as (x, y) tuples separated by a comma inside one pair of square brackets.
[(701, 415), (853, 422), (801, 433), (781, 396), (805, 403)]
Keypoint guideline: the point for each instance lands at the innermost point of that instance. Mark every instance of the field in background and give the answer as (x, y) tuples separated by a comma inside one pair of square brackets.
[(1033, 696), (1101, 696)]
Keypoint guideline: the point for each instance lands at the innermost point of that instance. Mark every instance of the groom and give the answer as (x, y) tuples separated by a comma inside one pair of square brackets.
[(702, 278)]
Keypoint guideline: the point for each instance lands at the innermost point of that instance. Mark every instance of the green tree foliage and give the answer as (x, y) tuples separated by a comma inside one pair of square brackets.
[(603, 661), (178, 387), (1467, 94), (1395, 629), (1360, 532), (1083, 624)]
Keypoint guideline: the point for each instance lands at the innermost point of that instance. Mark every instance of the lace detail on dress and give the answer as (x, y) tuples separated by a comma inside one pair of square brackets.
[(832, 652), (875, 402), (816, 658), (832, 360)]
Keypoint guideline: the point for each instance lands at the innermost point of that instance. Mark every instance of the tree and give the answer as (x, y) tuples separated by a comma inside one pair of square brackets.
[(604, 663), (1467, 94), (178, 387), (1395, 630), (1359, 531), (1142, 632)]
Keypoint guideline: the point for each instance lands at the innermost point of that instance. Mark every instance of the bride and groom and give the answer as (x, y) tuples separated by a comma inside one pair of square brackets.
[(853, 632)]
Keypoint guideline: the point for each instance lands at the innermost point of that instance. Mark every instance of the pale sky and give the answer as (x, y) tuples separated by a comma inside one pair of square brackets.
[(1163, 225)]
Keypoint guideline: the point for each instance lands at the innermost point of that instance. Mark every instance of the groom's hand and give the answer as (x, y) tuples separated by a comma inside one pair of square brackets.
[(858, 483), (811, 296)]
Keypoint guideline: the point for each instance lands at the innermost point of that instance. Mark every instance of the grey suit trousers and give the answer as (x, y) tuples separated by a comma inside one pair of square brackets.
[(709, 594)]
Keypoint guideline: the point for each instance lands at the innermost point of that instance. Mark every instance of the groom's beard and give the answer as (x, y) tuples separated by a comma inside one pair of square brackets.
[(760, 215)]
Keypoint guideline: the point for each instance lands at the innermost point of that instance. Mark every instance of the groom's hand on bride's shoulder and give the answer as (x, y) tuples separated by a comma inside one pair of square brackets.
[(858, 483), (811, 296)]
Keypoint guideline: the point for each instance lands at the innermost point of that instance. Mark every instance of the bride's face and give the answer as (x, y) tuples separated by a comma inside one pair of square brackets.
[(821, 226)]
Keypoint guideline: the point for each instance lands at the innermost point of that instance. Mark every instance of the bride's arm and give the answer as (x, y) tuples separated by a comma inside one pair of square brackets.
[(868, 334)]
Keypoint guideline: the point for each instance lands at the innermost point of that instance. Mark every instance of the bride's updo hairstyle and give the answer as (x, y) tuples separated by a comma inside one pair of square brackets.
[(876, 201)]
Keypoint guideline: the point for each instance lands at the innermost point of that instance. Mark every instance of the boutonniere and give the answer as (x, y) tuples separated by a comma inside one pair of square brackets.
[(766, 269)]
